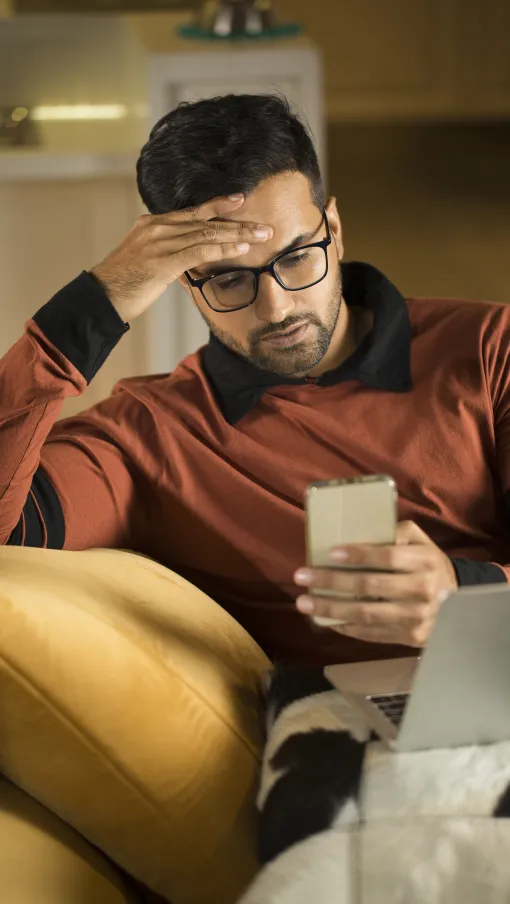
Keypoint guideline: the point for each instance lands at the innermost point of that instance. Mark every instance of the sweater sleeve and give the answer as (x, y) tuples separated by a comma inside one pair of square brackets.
[(65, 485), (496, 360)]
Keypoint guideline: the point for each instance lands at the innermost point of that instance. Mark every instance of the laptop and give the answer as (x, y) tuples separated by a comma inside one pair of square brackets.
[(456, 693)]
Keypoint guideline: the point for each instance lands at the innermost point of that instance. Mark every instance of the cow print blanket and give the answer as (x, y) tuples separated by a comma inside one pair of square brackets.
[(344, 820)]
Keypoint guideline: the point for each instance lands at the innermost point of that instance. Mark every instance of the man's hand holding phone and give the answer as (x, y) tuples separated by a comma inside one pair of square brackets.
[(375, 591)]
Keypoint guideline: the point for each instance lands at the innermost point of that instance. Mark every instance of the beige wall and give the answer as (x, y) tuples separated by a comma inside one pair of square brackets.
[(69, 227)]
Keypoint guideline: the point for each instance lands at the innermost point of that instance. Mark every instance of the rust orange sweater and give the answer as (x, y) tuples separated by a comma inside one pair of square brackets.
[(205, 469)]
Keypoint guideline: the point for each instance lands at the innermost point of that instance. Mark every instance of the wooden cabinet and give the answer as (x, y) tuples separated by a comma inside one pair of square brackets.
[(411, 59), (389, 59), (483, 60)]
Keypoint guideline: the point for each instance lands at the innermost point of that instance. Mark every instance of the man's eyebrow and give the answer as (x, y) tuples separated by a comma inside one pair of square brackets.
[(216, 269)]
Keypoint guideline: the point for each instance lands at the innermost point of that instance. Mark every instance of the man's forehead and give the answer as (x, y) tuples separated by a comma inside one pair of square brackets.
[(286, 222), (279, 200), (278, 211)]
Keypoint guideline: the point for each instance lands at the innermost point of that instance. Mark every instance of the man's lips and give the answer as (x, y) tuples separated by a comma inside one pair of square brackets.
[(291, 329), (287, 337)]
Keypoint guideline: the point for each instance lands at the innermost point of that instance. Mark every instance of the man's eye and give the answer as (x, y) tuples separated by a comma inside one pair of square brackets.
[(294, 259), (231, 281)]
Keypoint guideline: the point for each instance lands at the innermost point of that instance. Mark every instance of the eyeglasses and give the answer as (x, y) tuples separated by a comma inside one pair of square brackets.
[(293, 271)]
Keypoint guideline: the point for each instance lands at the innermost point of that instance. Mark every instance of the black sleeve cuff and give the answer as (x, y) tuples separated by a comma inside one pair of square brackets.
[(82, 323), (469, 572)]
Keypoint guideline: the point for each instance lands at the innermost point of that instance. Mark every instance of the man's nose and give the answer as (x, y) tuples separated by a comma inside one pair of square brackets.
[(273, 303)]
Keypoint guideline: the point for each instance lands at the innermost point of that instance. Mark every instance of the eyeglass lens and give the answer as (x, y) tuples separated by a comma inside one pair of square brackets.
[(297, 270)]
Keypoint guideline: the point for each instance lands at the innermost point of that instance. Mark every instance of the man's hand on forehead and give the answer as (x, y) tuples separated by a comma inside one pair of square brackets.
[(160, 248)]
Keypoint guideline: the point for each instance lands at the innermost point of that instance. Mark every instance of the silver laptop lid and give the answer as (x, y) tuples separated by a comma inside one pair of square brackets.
[(461, 690)]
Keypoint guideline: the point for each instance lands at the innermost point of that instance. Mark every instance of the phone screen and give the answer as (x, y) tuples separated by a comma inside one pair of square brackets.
[(339, 513), (363, 510)]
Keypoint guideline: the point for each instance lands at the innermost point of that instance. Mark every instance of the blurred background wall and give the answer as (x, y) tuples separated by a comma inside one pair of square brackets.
[(416, 115)]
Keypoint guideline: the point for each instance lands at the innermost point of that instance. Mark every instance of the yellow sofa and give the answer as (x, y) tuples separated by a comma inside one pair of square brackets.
[(130, 734)]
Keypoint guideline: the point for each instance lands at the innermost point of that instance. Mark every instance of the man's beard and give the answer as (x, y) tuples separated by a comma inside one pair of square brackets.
[(294, 360)]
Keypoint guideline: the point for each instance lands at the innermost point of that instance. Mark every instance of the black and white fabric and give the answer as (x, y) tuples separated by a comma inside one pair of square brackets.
[(344, 820)]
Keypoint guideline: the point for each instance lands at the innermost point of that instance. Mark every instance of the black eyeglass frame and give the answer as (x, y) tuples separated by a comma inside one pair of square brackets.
[(269, 268)]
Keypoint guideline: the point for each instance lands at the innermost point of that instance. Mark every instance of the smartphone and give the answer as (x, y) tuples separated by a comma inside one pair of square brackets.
[(351, 510)]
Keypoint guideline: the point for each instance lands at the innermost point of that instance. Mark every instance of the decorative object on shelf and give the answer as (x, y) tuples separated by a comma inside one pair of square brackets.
[(237, 20), (17, 129)]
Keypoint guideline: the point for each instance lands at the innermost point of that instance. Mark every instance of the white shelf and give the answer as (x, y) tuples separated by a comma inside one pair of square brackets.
[(26, 165)]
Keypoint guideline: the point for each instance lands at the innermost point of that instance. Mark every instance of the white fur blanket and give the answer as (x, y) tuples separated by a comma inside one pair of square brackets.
[(344, 820)]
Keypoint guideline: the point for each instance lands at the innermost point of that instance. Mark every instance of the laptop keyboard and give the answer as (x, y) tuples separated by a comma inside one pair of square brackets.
[(392, 705)]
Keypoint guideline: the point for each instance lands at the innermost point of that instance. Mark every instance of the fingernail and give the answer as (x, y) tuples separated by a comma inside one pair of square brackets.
[(243, 246), (235, 197), (339, 555), (261, 232), (305, 604), (303, 576)]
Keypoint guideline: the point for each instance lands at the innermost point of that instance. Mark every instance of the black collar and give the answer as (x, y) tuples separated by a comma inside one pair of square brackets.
[(382, 360)]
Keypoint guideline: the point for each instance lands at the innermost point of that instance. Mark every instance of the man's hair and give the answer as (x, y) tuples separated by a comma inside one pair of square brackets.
[(222, 146)]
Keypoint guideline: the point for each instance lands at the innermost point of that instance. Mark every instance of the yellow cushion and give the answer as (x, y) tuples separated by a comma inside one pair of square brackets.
[(129, 706), (43, 861)]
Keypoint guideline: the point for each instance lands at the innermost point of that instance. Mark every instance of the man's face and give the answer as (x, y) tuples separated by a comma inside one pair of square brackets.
[(283, 202)]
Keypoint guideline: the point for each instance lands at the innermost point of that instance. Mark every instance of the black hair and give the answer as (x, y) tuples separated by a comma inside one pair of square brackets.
[(222, 146)]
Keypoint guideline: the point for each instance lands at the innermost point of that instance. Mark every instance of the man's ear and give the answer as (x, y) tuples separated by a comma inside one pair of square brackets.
[(335, 225)]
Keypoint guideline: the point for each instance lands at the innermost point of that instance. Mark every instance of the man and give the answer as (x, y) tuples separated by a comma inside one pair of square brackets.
[(315, 369)]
